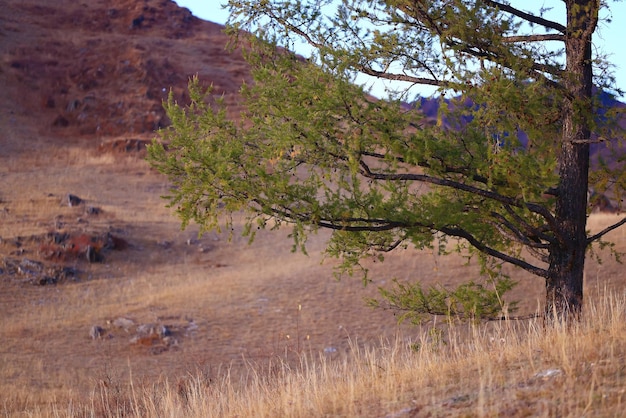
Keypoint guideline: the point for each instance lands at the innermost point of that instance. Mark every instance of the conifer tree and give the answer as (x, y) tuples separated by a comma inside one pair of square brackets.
[(503, 171)]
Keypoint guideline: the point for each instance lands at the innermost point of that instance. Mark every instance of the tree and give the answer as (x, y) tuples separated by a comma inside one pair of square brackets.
[(504, 170)]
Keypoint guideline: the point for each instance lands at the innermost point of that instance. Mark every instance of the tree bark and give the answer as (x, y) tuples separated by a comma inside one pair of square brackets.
[(564, 284)]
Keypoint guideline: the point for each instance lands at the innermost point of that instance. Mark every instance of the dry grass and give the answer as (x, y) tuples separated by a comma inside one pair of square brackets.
[(276, 334), (254, 352), (257, 330), (510, 369)]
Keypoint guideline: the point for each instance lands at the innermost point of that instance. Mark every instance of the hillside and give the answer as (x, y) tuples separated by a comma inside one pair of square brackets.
[(97, 280), (100, 70), (98, 283)]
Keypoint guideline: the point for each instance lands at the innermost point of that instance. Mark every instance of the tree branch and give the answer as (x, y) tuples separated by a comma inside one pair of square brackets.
[(605, 231), (446, 168), (476, 243), (535, 208), (399, 77), (530, 230), (527, 16), (382, 225), (366, 70), (493, 56), (534, 38), (518, 235)]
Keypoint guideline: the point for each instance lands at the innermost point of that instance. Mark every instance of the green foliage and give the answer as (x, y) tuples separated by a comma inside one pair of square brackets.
[(469, 301), (312, 150)]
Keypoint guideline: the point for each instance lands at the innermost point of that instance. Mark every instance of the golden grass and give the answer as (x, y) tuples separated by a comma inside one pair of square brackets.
[(510, 369), (255, 352)]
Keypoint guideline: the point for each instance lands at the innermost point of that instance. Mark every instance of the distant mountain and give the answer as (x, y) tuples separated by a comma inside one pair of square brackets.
[(429, 107)]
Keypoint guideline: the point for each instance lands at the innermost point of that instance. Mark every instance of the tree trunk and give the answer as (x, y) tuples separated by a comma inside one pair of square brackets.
[(564, 284)]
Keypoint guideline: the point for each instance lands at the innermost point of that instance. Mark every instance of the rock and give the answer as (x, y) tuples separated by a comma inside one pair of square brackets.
[(45, 280), (92, 255), (27, 267), (546, 374), (123, 323), (66, 273), (72, 200), (146, 329), (136, 24), (163, 331), (93, 210), (96, 332), (58, 237)]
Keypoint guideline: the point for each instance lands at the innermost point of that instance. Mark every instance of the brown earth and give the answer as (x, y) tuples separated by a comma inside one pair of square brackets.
[(93, 292)]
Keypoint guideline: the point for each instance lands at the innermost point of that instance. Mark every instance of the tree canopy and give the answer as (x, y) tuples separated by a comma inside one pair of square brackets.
[(503, 169)]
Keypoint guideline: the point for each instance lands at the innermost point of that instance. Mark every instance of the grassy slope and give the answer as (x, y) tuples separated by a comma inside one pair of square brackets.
[(245, 302), (244, 299), (508, 370)]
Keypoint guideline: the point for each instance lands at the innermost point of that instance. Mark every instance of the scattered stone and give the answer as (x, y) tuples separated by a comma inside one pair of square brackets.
[(29, 266), (163, 331), (58, 237), (93, 210), (136, 24), (92, 254), (37, 273), (96, 332), (73, 105), (71, 200), (123, 323), (67, 273), (146, 329), (546, 374), (45, 280), (67, 247)]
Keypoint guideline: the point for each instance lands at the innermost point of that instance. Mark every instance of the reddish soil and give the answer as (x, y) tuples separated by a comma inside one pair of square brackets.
[(100, 69)]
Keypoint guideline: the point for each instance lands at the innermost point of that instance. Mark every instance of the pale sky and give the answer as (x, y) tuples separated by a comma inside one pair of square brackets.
[(610, 38)]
